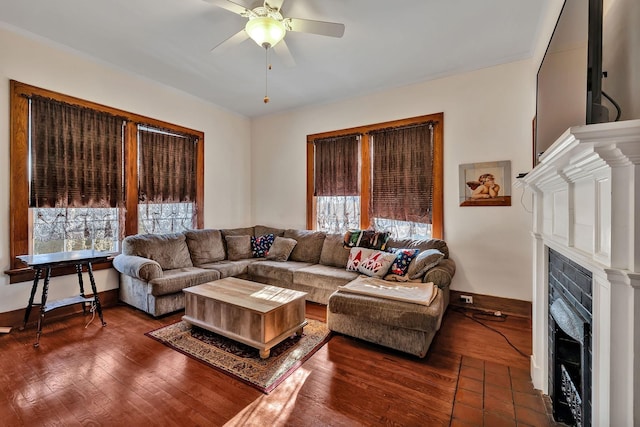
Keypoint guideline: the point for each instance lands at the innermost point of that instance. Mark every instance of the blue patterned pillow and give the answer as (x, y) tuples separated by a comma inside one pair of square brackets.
[(403, 258), (260, 245)]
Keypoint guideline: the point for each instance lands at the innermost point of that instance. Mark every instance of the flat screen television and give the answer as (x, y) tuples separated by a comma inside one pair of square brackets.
[(587, 74)]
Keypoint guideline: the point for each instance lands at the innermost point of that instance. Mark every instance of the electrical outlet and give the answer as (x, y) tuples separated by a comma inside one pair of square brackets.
[(467, 299)]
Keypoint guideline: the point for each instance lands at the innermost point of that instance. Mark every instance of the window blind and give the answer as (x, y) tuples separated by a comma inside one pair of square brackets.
[(336, 166), (167, 166), (76, 156), (401, 173)]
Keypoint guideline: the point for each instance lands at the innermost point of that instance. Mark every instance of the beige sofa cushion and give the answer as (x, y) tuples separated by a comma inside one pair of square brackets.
[(175, 280), (205, 246), (309, 245), (323, 276), (276, 270), (261, 230), (231, 268), (423, 245), (425, 261), (333, 251), (281, 249), (373, 310), (168, 250), (238, 247), (243, 231)]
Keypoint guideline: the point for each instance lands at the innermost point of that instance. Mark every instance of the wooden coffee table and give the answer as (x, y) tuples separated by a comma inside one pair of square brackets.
[(258, 315)]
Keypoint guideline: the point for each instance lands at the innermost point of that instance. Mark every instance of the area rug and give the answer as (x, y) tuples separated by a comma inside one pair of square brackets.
[(241, 361)]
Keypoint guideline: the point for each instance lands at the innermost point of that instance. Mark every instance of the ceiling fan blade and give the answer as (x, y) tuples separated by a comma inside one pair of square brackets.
[(230, 6), (322, 28), (232, 41), (282, 50), (274, 4)]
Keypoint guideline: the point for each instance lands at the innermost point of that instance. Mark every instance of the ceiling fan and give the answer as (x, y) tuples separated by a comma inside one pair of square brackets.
[(267, 27)]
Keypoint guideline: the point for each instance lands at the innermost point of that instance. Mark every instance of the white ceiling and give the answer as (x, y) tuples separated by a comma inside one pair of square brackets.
[(386, 44)]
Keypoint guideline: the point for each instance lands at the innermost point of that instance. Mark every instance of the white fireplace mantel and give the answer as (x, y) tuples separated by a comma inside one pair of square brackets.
[(586, 196)]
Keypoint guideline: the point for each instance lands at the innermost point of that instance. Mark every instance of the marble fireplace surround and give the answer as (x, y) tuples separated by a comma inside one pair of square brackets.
[(586, 200)]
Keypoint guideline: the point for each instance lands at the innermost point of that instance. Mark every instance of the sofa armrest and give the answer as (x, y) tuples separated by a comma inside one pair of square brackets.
[(442, 273), (135, 266)]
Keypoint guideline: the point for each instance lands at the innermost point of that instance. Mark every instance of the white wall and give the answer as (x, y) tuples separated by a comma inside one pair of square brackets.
[(487, 117), (227, 138)]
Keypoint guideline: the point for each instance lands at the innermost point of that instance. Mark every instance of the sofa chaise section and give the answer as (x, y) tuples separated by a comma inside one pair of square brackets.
[(403, 326)]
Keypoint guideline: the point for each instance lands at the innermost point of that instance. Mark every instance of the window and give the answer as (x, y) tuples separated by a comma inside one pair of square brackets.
[(71, 207), (397, 183), (166, 181), (336, 183), (79, 180)]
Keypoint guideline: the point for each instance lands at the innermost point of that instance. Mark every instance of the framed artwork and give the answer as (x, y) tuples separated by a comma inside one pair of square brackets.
[(485, 184)]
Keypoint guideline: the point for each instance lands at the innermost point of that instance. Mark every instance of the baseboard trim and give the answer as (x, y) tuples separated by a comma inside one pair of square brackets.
[(512, 307), (15, 318)]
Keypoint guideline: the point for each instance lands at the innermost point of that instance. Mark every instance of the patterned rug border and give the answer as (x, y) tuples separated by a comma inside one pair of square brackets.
[(265, 390)]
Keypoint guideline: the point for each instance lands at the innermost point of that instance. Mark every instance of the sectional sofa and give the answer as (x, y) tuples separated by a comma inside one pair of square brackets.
[(154, 269)]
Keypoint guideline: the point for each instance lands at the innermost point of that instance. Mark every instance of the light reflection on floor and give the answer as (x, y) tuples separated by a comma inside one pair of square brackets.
[(274, 409)]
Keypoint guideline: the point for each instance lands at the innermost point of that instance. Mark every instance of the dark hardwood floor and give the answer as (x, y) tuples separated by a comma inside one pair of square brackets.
[(116, 376)]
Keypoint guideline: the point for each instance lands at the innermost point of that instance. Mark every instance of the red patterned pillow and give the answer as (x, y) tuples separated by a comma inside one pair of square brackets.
[(356, 255), (377, 264)]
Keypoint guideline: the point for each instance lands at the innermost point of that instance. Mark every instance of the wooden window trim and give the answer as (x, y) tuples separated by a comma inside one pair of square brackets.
[(19, 173), (437, 223)]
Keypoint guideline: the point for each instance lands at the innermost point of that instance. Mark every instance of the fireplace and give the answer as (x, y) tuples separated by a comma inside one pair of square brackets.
[(570, 294), (586, 274)]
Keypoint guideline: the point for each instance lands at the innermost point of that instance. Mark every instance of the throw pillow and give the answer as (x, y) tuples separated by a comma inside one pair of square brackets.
[(309, 244), (377, 264), (281, 249), (403, 259), (366, 239), (260, 245), (425, 260), (238, 247), (356, 255), (205, 246), (333, 251)]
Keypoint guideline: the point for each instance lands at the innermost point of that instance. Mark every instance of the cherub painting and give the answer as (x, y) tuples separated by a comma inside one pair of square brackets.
[(485, 187), (485, 184)]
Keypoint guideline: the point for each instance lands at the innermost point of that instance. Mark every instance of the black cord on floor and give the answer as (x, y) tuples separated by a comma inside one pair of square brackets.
[(487, 315), (490, 317)]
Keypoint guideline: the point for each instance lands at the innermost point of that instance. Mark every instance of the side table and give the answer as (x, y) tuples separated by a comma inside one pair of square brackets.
[(61, 259)]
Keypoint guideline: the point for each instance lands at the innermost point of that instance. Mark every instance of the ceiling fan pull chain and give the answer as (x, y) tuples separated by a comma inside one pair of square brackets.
[(266, 74)]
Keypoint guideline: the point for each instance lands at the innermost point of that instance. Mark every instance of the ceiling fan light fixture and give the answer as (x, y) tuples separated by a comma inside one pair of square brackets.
[(265, 31)]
